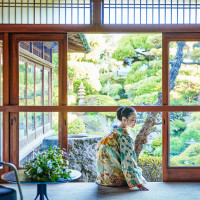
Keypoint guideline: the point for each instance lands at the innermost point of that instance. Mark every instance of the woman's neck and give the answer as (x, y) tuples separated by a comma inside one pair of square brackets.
[(122, 126)]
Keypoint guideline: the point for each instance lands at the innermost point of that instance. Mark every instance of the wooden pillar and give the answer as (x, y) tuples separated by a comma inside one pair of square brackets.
[(6, 136), (14, 100), (63, 92)]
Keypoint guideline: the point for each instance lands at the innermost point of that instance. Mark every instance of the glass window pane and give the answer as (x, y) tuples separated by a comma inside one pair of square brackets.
[(31, 125), (152, 11), (184, 86), (86, 129), (22, 126), (38, 86), (30, 85), (185, 138), (37, 138), (121, 69), (38, 73), (46, 118), (39, 121), (22, 83), (46, 88), (42, 12)]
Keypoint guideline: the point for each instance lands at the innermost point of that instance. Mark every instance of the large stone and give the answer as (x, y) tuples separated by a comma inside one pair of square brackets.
[(83, 155)]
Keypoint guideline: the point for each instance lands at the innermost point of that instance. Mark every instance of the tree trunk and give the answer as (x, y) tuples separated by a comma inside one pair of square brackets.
[(141, 137)]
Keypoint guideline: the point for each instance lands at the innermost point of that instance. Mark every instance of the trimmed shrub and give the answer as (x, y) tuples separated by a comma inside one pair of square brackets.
[(101, 100), (157, 142), (152, 168), (190, 155), (190, 133), (77, 126), (176, 145), (177, 127), (124, 102)]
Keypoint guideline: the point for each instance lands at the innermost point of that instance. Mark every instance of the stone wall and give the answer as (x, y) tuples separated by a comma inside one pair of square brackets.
[(83, 156)]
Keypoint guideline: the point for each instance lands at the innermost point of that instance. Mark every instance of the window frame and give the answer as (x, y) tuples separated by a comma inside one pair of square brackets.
[(14, 91), (13, 33)]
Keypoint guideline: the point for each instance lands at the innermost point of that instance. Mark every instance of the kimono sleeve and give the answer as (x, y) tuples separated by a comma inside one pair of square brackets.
[(132, 173)]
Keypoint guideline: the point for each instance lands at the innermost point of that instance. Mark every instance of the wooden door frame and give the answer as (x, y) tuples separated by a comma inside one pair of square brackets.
[(175, 173), (14, 88)]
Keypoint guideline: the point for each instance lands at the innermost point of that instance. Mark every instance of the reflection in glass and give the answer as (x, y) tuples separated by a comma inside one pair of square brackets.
[(46, 118), (38, 137), (22, 83), (38, 73), (113, 78), (187, 83), (46, 87), (31, 121), (22, 125), (38, 119), (30, 85), (185, 138), (38, 87)]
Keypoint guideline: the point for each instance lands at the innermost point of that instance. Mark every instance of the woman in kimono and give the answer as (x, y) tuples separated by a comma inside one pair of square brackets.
[(116, 157)]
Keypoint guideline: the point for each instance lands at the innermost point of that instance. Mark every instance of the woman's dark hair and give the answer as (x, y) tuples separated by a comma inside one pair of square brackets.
[(125, 111)]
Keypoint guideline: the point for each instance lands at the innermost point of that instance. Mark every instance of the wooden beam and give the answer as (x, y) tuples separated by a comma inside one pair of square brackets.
[(97, 108), (66, 28)]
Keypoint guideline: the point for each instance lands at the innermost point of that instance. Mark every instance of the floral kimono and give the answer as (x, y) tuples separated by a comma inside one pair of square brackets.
[(117, 161)]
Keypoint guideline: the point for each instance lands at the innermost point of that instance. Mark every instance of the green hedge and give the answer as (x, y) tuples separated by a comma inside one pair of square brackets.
[(152, 168), (77, 126)]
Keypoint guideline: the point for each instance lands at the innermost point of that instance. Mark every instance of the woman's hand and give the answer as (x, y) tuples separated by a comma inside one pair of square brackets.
[(141, 187)]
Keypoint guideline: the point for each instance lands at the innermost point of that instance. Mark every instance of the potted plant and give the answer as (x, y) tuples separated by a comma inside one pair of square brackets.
[(49, 165)]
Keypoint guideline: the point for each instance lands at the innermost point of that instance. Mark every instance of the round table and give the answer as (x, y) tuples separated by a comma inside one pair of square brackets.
[(41, 186)]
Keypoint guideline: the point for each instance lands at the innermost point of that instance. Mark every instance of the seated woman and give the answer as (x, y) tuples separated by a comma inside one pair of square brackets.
[(116, 157)]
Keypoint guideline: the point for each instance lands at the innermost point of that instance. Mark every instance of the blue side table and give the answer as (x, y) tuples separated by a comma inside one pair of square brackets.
[(41, 186)]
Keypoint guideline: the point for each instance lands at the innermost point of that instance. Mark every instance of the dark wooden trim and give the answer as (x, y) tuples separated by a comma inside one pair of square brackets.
[(6, 136), (183, 174), (66, 28), (97, 13), (165, 71), (39, 37), (6, 69), (63, 92), (14, 138), (165, 102), (165, 144), (14, 100), (97, 108), (191, 36), (14, 71)]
